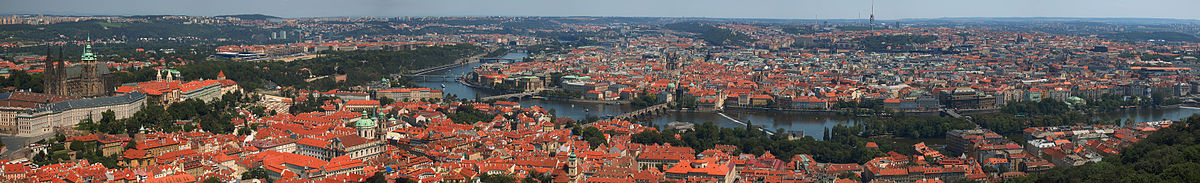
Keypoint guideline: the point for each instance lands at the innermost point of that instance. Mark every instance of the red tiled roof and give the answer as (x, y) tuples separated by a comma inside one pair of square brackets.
[(362, 103)]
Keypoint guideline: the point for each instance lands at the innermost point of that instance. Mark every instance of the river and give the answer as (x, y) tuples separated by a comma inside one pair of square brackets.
[(808, 124)]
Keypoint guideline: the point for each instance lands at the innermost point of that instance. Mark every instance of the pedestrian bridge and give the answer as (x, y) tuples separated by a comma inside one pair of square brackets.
[(513, 95), (652, 110)]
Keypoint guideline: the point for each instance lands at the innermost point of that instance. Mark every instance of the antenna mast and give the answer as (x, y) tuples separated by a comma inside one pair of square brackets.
[(872, 26)]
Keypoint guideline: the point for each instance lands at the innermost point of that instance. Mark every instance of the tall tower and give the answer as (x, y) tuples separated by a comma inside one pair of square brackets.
[(872, 26), (572, 163), (49, 75), (92, 86)]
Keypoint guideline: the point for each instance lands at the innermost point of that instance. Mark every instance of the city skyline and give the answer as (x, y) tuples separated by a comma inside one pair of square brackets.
[(773, 9)]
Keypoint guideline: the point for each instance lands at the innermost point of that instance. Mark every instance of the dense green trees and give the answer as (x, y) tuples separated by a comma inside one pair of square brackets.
[(1169, 155), (20, 80), (561, 94), (313, 104), (212, 180), (913, 127), (108, 123), (359, 67), (467, 114), (58, 152), (499, 178), (1109, 102), (712, 34), (537, 177), (256, 173), (686, 102), (214, 116), (591, 134), (645, 100), (93, 152), (1017, 116), (859, 107), (1045, 106), (843, 145)]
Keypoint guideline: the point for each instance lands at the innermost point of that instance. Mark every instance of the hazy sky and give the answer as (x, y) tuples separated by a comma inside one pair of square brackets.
[(797, 9)]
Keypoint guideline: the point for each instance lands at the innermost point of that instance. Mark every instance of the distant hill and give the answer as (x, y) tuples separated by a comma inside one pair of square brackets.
[(1142, 36), (251, 16), (1054, 19), (712, 34)]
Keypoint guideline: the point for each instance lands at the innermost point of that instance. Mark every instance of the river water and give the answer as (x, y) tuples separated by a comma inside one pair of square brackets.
[(808, 124)]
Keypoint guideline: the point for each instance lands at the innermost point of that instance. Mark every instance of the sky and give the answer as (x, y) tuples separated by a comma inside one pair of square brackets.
[(782, 9)]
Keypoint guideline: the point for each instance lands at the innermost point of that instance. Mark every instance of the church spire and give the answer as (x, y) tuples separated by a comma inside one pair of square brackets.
[(62, 59), (49, 60), (87, 52)]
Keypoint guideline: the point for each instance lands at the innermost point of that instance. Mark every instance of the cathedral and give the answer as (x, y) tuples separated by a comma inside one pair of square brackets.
[(86, 78)]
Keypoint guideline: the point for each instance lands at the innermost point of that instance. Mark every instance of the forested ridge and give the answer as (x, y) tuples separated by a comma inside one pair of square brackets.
[(1170, 154)]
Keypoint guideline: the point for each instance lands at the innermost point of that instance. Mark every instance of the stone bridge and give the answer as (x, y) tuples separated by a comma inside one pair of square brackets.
[(644, 112)]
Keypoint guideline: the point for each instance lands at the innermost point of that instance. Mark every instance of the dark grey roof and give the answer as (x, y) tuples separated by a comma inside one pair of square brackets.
[(102, 68), (4, 96), (76, 71), (92, 102)]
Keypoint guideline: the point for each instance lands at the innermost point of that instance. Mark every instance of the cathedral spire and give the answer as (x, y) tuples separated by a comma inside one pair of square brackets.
[(87, 52), (49, 60), (62, 59)]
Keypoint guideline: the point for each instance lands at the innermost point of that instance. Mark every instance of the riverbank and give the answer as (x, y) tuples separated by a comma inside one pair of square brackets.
[(502, 92), (820, 112), (613, 102), (479, 87)]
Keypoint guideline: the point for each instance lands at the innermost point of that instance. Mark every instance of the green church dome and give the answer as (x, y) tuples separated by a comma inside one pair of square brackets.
[(364, 123)]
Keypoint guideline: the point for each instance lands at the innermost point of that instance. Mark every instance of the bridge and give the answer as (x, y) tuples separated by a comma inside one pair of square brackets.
[(951, 113), (502, 59), (457, 63), (735, 120), (432, 77), (438, 68), (499, 59), (652, 110), (513, 95)]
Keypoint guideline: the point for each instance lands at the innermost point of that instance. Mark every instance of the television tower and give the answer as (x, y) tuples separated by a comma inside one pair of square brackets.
[(872, 26)]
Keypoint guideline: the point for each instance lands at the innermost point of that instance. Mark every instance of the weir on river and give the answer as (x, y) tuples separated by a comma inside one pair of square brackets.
[(735, 120)]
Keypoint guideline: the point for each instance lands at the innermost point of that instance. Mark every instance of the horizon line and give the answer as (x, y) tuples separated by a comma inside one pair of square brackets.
[(604, 16)]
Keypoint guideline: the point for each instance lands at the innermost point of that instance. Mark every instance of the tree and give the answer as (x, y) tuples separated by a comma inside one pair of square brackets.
[(378, 177), (212, 180), (383, 100), (256, 173), (244, 131), (645, 100), (131, 145), (849, 175), (1171, 154), (109, 124), (537, 177), (500, 178), (593, 136)]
